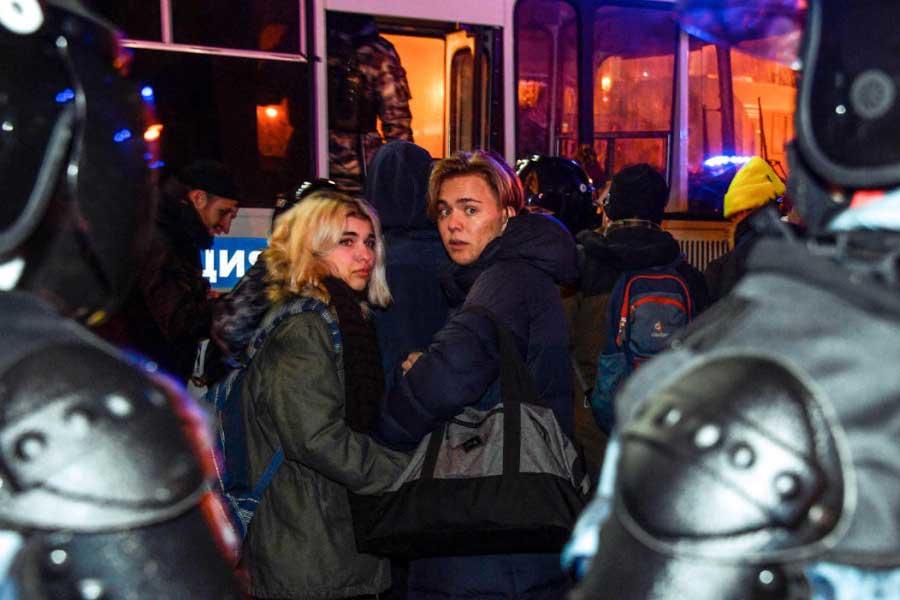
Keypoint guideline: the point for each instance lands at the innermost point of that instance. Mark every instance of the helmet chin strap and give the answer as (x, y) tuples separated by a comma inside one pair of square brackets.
[(11, 272)]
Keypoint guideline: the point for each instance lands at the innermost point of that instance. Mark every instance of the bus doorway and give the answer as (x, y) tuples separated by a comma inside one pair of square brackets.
[(450, 95), (450, 74)]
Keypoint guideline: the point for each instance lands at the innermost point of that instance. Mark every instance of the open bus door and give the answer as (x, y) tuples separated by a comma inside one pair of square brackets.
[(453, 60), (474, 74)]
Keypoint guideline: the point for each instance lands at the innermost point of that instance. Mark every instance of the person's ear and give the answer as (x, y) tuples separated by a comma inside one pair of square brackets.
[(508, 213), (198, 198)]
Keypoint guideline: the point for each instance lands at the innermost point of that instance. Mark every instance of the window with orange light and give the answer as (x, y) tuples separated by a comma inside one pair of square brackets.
[(740, 106), (546, 33), (260, 25), (249, 114), (633, 68)]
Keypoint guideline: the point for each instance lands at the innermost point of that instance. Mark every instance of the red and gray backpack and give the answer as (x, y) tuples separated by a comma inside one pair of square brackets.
[(646, 307)]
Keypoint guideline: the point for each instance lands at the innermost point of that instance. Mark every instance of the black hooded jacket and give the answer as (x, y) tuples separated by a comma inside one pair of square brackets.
[(397, 186), (515, 278), (168, 312), (622, 249)]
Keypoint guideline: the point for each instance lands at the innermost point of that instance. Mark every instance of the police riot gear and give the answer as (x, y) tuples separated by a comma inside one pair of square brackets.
[(102, 491), (62, 113), (721, 482)]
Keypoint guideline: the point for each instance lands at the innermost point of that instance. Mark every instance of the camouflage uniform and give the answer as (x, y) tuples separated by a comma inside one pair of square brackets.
[(386, 93)]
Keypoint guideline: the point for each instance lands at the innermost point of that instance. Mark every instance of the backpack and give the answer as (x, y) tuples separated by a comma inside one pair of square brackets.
[(241, 495), (646, 308)]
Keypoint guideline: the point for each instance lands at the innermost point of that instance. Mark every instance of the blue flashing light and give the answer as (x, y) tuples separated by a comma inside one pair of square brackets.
[(715, 162), (67, 95), (148, 156), (147, 92), (122, 135), (157, 164)]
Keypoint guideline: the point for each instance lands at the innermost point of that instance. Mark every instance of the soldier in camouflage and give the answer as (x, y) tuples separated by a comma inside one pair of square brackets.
[(366, 82)]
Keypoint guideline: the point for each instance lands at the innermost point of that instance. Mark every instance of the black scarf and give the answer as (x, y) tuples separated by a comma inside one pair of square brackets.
[(363, 373)]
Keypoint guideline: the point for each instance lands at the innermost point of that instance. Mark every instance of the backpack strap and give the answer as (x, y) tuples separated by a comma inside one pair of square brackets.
[(290, 308)]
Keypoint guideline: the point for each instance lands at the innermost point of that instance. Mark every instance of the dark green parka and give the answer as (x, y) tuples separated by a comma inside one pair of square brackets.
[(300, 543)]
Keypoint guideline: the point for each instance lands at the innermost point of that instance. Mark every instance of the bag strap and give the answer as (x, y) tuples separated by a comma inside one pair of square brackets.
[(516, 386), (516, 382), (288, 309)]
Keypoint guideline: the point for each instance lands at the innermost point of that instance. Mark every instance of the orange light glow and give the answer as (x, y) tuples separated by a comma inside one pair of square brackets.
[(423, 61), (606, 83), (529, 92), (153, 132), (273, 129)]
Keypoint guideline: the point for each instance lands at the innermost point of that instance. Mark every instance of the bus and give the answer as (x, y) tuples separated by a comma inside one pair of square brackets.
[(245, 81)]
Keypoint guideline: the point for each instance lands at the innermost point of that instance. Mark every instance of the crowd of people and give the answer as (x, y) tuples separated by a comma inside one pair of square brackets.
[(457, 235)]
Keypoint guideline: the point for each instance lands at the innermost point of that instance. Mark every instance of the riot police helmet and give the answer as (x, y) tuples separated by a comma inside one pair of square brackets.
[(559, 186), (77, 189)]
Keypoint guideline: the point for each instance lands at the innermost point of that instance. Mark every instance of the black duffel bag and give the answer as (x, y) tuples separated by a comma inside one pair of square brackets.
[(501, 481)]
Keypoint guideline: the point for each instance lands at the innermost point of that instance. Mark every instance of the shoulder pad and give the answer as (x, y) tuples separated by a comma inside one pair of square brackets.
[(729, 478), (738, 459), (89, 443)]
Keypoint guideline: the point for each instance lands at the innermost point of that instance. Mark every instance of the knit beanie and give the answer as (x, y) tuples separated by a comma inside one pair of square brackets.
[(210, 176), (753, 186), (637, 192)]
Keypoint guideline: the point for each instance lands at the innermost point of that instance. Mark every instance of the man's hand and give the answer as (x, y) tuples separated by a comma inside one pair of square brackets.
[(410, 361)]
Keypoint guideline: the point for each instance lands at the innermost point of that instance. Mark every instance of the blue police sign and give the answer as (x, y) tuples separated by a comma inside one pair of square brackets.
[(229, 258)]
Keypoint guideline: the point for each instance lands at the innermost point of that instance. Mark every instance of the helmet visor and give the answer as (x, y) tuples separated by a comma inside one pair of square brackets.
[(36, 117)]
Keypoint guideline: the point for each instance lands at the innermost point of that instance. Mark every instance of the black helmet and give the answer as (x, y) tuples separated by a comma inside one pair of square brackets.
[(286, 201), (559, 186), (76, 187)]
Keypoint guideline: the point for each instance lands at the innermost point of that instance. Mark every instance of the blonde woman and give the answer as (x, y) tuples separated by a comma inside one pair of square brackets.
[(314, 401)]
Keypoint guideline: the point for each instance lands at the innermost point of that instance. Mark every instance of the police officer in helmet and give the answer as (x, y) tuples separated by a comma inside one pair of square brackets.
[(561, 187), (758, 457), (102, 494)]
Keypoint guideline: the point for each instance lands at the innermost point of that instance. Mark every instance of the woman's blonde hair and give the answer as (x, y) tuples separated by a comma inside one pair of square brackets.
[(302, 238)]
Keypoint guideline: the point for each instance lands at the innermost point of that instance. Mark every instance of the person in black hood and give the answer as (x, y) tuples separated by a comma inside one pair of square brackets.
[(632, 240), (169, 310), (510, 265), (414, 256)]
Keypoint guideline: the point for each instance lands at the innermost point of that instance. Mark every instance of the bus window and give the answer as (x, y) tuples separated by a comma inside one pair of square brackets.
[(546, 33), (232, 24), (250, 114), (224, 80), (268, 26), (633, 67), (740, 106), (142, 24)]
